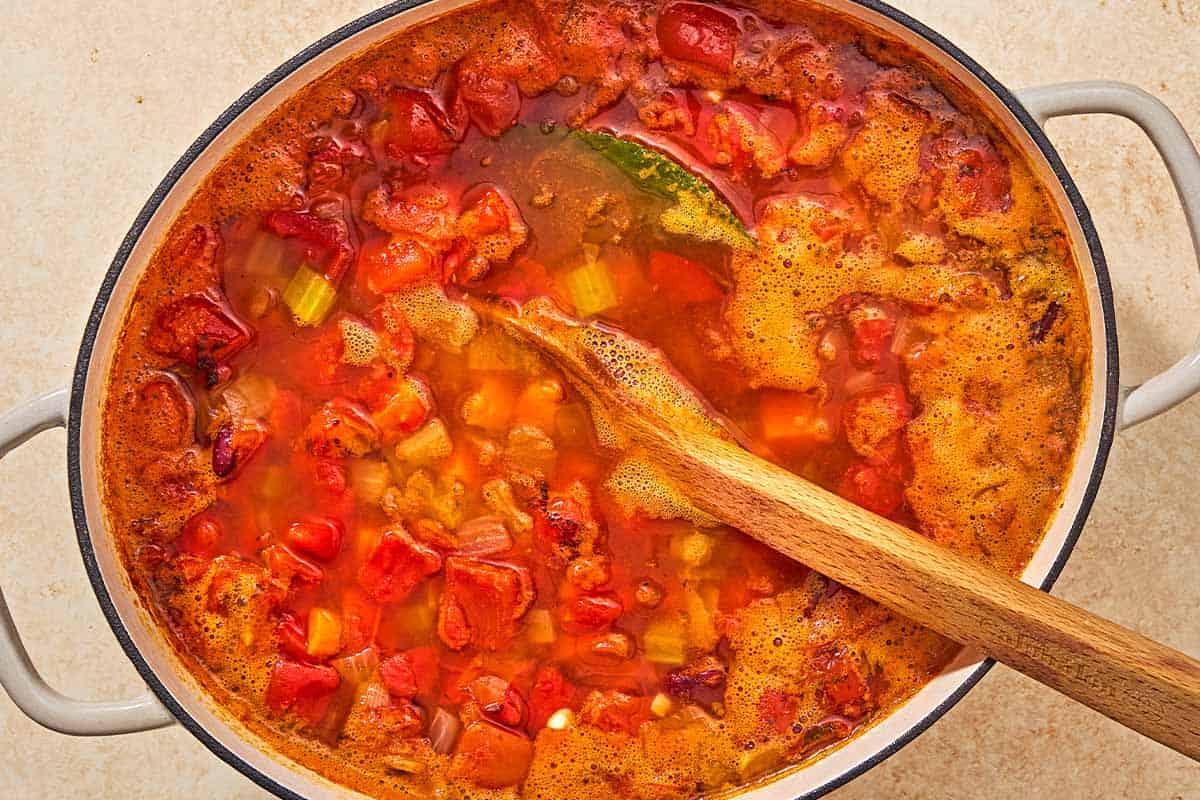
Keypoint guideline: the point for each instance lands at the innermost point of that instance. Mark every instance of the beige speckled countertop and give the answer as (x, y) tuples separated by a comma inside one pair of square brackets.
[(101, 98)]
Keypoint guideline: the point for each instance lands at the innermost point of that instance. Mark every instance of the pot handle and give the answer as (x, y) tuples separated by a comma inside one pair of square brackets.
[(1181, 381), (28, 690)]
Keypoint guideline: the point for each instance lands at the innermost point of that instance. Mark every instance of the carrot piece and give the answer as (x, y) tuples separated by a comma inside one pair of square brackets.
[(360, 620), (324, 633), (490, 406), (683, 281), (394, 264), (405, 411), (539, 403), (793, 419)]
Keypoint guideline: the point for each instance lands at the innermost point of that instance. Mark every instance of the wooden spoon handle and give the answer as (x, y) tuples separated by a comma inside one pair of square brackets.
[(1138, 682)]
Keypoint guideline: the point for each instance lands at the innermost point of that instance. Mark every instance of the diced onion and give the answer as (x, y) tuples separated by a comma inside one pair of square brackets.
[(309, 296), (404, 764), (483, 536), (443, 731), (430, 443), (359, 667), (590, 286), (561, 720), (376, 695), (370, 479)]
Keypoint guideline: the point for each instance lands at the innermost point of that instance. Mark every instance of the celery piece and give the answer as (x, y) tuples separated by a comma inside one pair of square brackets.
[(309, 296), (665, 642), (589, 286)]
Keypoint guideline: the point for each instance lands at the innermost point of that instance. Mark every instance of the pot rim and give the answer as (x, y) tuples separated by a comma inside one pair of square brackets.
[(74, 424)]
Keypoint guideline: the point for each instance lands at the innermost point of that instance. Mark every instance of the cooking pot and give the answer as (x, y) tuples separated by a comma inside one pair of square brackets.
[(173, 695)]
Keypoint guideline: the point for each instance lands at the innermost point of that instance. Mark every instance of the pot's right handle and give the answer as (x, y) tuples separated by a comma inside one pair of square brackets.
[(18, 676), (1181, 381)]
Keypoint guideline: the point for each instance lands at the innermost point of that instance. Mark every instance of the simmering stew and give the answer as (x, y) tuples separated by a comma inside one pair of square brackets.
[(394, 542)]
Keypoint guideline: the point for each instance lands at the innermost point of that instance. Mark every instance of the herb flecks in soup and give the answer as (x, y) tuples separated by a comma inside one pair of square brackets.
[(403, 549)]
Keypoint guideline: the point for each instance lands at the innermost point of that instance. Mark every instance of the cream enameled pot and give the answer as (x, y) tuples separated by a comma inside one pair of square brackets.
[(174, 696)]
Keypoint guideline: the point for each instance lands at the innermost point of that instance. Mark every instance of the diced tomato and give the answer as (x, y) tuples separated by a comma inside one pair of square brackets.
[(698, 33), (874, 421), (198, 331), (482, 602), (737, 136), (419, 126), (499, 700), (325, 237), (980, 173), (360, 619), (396, 565), (391, 265), (615, 712), (341, 428), (165, 413), (200, 536), (872, 488), (321, 360), (558, 526), (293, 638), (681, 280), (527, 279), (320, 537), (192, 567), (326, 234), (777, 710), (871, 340), (224, 576), (488, 214), (591, 612), (425, 666), (303, 688), (288, 566), (491, 756), (405, 410), (395, 334), (492, 101), (423, 211), (398, 676), (323, 481), (551, 691), (330, 476), (845, 691)]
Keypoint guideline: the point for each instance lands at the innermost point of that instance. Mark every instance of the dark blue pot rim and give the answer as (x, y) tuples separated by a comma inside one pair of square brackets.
[(1108, 426)]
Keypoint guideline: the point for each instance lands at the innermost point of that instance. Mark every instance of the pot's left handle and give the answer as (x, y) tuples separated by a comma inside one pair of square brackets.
[(1181, 380), (18, 676)]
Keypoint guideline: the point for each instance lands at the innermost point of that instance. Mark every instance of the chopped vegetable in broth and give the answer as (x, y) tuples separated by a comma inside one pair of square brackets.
[(402, 548)]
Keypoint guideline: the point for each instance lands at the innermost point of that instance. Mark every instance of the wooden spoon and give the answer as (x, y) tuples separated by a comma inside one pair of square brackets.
[(647, 408)]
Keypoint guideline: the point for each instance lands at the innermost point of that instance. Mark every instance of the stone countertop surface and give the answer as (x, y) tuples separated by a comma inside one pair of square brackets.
[(103, 97)]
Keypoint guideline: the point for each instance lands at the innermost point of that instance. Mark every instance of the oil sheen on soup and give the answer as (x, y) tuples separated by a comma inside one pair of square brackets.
[(390, 540)]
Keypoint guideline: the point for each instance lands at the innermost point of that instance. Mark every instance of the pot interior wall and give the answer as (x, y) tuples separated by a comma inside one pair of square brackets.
[(230, 740)]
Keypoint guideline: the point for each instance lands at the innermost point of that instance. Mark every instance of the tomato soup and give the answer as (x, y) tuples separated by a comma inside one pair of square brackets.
[(394, 542)]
